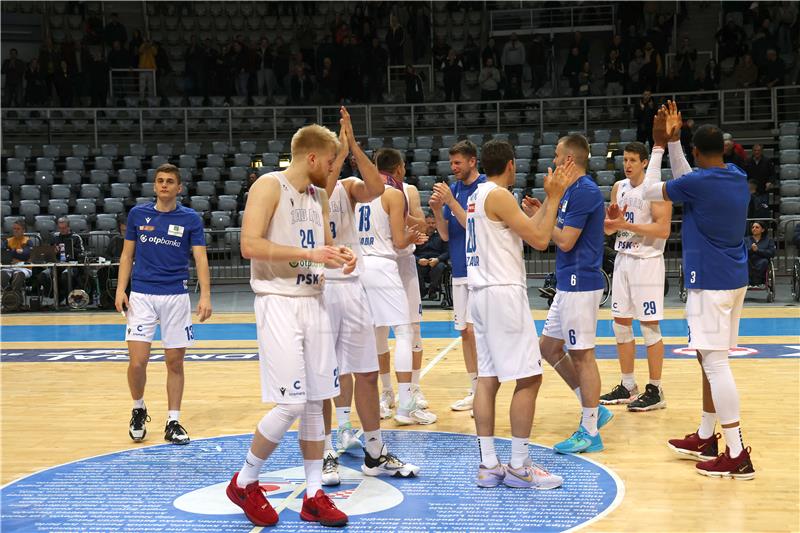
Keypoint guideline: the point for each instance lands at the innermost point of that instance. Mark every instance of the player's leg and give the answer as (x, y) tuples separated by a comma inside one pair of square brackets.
[(387, 402), (408, 411), (416, 366), (407, 266), (142, 320), (464, 326), (177, 334), (551, 345), (622, 310)]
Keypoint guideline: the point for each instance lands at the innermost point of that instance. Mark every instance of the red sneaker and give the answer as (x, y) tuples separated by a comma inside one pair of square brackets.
[(692, 446), (253, 502), (321, 509), (726, 466)]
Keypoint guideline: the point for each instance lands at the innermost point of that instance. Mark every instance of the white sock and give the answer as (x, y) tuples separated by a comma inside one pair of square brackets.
[(328, 442), (577, 391), (708, 422), (250, 470), (342, 416), (138, 404), (473, 378), (488, 455), (173, 415), (405, 398), (386, 381), (519, 452), (655, 383), (415, 377), (733, 438), (589, 420), (373, 441), (628, 381), (313, 471)]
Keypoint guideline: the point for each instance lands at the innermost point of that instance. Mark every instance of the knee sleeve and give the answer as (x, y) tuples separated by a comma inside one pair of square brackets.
[(624, 334), (416, 342), (382, 339), (312, 425), (277, 422), (651, 333), (723, 387), (402, 351)]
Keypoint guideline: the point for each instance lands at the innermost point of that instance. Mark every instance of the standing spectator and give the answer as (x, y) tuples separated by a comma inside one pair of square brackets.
[(614, 71), (395, 40), (634, 70), (133, 48), (585, 80), (760, 170), (513, 57), (572, 70), (759, 202), (98, 79), (432, 259), (14, 71), (760, 249), (63, 82), (470, 55), (377, 61), (19, 248), (49, 60), (645, 113), (685, 61), (419, 29), (746, 72), (414, 86), (537, 59), (241, 76), (652, 70), (514, 90), (147, 60), (489, 81), (117, 58), (328, 83), (115, 31), (266, 74), (34, 84), (453, 70), (280, 62), (710, 78), (491, 51), (440, 50), (618, 44), (195, 62), (301, 86), (581, 44), (214, 64), (773, 70), (731, 39)]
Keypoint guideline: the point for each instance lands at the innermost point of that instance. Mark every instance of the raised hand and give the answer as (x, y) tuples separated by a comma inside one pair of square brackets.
[(530, 205), (435, 201), (444, 192), (347, 124), (660, 128), (674, 121), (613, 211), (555, 183), (344, 141), (615, 217)]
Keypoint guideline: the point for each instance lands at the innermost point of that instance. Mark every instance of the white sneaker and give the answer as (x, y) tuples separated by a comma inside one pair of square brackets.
[(347, 440), (416, 392), (388, 464), (532, 476), (387, 402), (464, 404), (415, 416), (330, 469)]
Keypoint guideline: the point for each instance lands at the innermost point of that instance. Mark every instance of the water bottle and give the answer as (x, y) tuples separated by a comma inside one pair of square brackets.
[(62, 255)]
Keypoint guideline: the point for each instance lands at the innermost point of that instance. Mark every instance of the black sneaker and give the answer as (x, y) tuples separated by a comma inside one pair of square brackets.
[(619, 394), (136, 430), (652, 398), (387, 464), (175, 433)]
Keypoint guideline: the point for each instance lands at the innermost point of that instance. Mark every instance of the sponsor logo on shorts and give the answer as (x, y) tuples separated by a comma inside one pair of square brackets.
[(283, 391), (296, 385)]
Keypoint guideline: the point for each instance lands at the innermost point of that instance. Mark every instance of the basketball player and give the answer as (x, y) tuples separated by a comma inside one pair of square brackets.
[(287, 237), (715, 198), (155, 258), (504, 330), (572, 319), (352, 325), (449, 204), (382, 232), (642, 229)]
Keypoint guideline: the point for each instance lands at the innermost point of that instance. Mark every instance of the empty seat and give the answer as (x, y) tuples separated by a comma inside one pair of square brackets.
[(220, 220), (29, 192), (132, 162), (43, 178), (787, 142), (542, 164), (227, 202), (790, 206), (201, 204), (45, 163), (205, 188), (550, 137), (109, 150), (790, 188), (275, 146), (57, 208), (211, 174), (449, 140), (476, 138), (422, 155), (187, 161), (45, 223), (71, 177), (113, 206), (238, 173), (524, 152), (78, 223), (525, 138), (164, 149), (215, 160), (219, 148), (98, 176), (138, 150), (425, 183), (240, 160), (8, 222), (602, 136), (424, 141), (85, 206), (538, 180), (14, 178), (520, 180), (103, 163), (523, 165), (120, 190), (419, 168), (269, 159), (247, 147), (443, 168), (22, 151), (29, 209), (90, 190), (80, 150), (15, 163), (375, 143), (606, 190), (444, 154), (597, 163), (547, 151), (74, 163), (790, 157), (60, 191), (789, 128), (191, 149), (619, 162), (606, 177), (105, 222), (790, 172), (158, 160), (233, 187), (5, 193), (51, 150), (627, 135), (400, 143), (599, 149)]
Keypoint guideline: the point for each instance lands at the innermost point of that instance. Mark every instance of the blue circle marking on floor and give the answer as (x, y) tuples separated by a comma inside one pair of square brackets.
[(182, 488)]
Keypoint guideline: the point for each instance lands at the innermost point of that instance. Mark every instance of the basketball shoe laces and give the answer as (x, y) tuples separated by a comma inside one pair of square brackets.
[(139, 418), (324, 501)]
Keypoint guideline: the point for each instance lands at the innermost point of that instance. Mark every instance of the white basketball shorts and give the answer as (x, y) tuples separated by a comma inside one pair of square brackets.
[(638, 288), (351, 326), (461, 307), (573, 318), (407, 265), (295, 349), (505, 334), (713, 318), (172, 311), (385, 292)]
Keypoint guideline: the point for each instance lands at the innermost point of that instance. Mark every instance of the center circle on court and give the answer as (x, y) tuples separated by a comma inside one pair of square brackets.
[(182, 488)]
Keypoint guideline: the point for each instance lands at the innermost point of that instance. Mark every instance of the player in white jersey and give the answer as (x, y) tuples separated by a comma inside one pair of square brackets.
[(287, 237), (505, 334), (642, 228), (351, 322), (382, 232)]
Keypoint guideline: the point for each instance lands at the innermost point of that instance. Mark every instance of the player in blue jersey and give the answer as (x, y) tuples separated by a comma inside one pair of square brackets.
[(159, 240), (572, 320), (449, 204), (715, 199)]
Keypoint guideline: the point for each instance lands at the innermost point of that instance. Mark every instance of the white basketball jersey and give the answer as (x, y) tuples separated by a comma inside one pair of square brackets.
[(297, 221), (494, 252), (343, 229), (408, 250), (374, 231), (638, 213)]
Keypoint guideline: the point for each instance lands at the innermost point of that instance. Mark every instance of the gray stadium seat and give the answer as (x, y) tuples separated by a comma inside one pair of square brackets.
[(790, 206), (164, 149), (57, 208), (524, 138), (80, 150), (60, 191), (233, 187), (599, 149), (90, 190), (619, 162), (5, 193), (443, 168), (44, 223), (226, 202), (220, 220), (787, 142), (71, 177), (211, 174), (419, 168), (29, 209), (400, 143), (201, 204), (790, 188), (106, 222), (444, 154), (275, 146), (476, 138), (85, 206), (22, 151), (542, 164), (790, 172), (547, 151), (97, 242), (98, 176), (520, 180), (43, 178), (247, 147), (103, 163), (120, 190), (504, 137), (127, 175), (187, 161), (52, 151), (78, 223), (602, 136), (269, 159), (109, 150), (550, 137), (191, 149), (15, 163), (424, 141), (215, 160), (241, 160), (158, 160), (422, 155), (29, 192), (538, 180), (45, 163), (597, 163), (74, 163), (790, 157), (424, 197), (606, 177), (523, 152), (132, 162), (139, 150), (14, 178), (8, 222), (238, 173), (374, 143), (523, 166), (789, 128), (425, 183), (205, 188), (606, 190), (220, 148), (627, 135), (449, 140)]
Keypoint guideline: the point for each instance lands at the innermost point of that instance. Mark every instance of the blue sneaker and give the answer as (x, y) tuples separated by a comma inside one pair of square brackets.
[(580, 442), (604, 416)]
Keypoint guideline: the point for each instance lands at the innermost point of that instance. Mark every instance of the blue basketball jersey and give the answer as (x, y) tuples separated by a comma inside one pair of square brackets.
[(581, 207), (455, 231)]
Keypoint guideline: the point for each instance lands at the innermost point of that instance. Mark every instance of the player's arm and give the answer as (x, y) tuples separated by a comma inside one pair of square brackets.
[(566, 237), (437, 208), (338, 163), (124, 275), (677, 159), (535, 230), (394, 202), (350, 263), (370, 186), (415, 218), (450, 201), (204, 279), (261, 203), (659, 228)]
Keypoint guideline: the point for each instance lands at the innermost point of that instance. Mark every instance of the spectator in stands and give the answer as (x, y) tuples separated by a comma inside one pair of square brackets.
[(731, 39), (395, 40), (133, 48), (18, 247), (453, 70), (63, 81), (241, 200), (48, 61), (301, 86), (614, 72), (746, 72), (645, 113), (195, 62), (414, 86), (71, 245), (634, 70), (239, 64), (760, 170), (470, 55), (759, 202), (147, 60), (34, 84), (280, 63), (97, 74), (328, 83), (738, 148), (377, 61), (440, 50), (537, 59), (760, 250), (432, 260), (351, 78), (773, 70), (491, 51), (786, 18), (573, 67), (117, 57), (685, 62), (652, 70), (514, 90), (419, 29), (513, 58), (581, 44), (710, 77), (115, 30), (729, 155), (265, 75), (489, 81), (14, 71), (618, 44), (164, 68)]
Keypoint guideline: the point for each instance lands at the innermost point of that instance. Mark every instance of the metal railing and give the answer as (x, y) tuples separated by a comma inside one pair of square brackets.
[(551, 19), (761, 107)]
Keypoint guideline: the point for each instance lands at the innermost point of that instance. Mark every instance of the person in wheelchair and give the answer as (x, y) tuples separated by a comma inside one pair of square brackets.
[(760, 250), (16, 249), (107, 276), (432, 258)]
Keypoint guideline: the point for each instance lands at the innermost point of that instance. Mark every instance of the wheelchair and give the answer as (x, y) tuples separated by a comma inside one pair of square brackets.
[(447, 288), (549, 289), (796, 279), (769, 282)]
